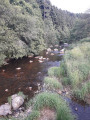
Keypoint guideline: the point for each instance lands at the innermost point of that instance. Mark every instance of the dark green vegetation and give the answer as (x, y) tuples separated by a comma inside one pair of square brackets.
[(21, 29), (28, 26)]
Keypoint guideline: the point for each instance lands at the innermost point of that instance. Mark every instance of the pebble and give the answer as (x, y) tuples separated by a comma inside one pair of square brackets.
[(40, 58), (47, 58), (76, 109), (30, 61), (40, 61), (52, 53), (3, 70), (30, 88), (18, 68), (49, 50), (46, 53), (55, 49), (6, 90), (30, 56)]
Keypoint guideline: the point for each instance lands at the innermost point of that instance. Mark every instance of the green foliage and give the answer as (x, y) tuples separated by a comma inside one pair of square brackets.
[(81, 29), (81, 93), (75, 68), (57, 23), (21, 29), (28, 26), (77, 63), (53, 101)]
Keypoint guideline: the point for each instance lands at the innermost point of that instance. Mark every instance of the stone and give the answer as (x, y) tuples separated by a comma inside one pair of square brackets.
[(30, 61), (55, 49), (49, 50), (18, 68), (5, 109), (30, 88), (52, 53), (3, 70), (6, 90), (76, 108), (17, 101), (40, 61)]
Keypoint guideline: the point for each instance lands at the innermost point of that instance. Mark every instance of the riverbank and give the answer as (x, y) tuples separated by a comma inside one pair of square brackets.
[(54, 84), (75, 70)]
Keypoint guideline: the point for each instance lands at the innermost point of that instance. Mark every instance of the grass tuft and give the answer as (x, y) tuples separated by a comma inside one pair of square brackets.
[(54, 71), (52, 83), (53, 101)]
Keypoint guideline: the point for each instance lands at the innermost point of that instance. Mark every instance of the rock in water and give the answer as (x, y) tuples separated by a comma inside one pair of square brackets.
[(5, 109), (17, 101)]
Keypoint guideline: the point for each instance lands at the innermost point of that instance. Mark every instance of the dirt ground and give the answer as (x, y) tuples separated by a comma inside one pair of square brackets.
[(47, 114)]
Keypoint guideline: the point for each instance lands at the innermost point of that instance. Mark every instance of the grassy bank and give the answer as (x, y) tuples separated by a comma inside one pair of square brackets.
[(75, 69)]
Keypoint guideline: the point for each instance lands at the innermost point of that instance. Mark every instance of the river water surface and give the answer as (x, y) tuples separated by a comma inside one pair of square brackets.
[(30, 75)]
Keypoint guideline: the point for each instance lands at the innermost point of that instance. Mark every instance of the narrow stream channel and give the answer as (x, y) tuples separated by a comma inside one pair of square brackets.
[(12, 80)]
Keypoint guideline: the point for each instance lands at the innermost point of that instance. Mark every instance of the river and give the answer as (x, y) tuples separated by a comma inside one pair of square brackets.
[(31, 74)]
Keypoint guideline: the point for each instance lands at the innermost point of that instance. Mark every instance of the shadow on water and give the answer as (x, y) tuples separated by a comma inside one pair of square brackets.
[(12, 81)]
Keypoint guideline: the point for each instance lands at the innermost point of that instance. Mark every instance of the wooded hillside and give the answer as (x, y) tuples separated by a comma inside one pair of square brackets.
[(28, 26)]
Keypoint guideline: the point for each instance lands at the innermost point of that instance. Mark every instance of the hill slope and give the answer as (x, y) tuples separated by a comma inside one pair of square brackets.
[(28, 26)]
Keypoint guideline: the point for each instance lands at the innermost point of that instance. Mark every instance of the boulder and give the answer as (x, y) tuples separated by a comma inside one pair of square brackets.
[(17, 101), (5, 109)]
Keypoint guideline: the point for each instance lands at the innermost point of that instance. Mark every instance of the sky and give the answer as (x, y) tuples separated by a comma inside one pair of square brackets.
[(75, 6)]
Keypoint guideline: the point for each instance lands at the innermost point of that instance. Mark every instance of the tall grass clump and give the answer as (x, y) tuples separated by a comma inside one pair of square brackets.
[(52, 101), (54, 71), (81, 93), (52, 83), (77, 64)]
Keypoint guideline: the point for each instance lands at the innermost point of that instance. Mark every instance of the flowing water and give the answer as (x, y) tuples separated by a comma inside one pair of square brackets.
[(31, 74)]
